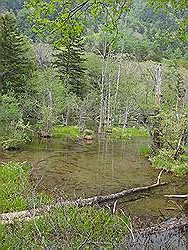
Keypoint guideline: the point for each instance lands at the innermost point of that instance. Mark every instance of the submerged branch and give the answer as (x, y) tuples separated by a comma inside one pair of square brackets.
[(8, 218)]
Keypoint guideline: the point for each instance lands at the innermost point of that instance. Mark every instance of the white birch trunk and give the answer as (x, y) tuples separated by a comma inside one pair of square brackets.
[(158, 85)]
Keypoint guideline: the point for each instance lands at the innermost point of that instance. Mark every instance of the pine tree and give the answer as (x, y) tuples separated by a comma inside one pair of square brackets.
[(17, 58), (69, 63)]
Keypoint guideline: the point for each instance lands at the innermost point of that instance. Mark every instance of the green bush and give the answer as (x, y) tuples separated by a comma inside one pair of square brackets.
[(16, 135)]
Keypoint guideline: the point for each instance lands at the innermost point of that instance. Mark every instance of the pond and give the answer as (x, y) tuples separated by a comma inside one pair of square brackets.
[(74, 169)]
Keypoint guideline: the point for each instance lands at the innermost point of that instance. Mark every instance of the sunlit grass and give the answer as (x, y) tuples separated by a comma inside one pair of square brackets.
[(68, 131), (70, 228), (128, 133)]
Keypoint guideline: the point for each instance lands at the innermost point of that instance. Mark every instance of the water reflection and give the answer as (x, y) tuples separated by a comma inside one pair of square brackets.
[(77, 169), (168, 240)]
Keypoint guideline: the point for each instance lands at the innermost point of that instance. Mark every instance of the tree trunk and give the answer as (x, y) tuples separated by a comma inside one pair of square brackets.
[(8, 218)]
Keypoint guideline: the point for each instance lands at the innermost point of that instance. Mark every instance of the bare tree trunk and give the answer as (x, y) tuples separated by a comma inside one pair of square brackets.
[(49, 98), (158, 136), (101, 116), (109, 102), (158, 85), (126, 117), (8, 218), (117, 84), (67, 117), (102, 88)]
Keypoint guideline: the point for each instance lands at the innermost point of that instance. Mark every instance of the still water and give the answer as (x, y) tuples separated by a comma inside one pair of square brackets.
[(79, 169), (71, 170)]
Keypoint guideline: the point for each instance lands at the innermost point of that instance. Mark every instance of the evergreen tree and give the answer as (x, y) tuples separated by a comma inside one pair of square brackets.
[(69, 63), (17, 59)]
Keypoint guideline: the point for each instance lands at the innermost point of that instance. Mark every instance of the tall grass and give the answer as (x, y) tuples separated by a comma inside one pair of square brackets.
[(68, 228), (16, 192)]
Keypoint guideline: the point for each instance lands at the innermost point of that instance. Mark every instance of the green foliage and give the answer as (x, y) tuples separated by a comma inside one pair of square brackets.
[(16, 135), (9, 109), (164, 160), (69, 58), (58, 19), (88, 132), (17, 57), (11, 4), (128, 133), (17, 192), (16, 132), (60, 131), (69, 227), (145, 151)]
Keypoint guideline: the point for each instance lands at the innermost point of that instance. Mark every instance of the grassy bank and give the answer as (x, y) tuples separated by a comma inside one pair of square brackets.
[(72, 132), (128, 133), (17, 192), (66, 227), (164, 160)]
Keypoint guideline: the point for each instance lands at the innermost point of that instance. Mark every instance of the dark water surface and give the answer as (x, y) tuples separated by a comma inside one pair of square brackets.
[(78, 169)]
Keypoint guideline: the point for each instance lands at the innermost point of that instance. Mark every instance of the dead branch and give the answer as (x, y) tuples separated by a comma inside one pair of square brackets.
[(177, 196), (9, 218)]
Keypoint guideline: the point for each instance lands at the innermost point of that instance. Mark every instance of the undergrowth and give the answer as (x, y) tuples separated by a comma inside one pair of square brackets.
[(17, 192), (145, 151), (164, 160), (68, 228)]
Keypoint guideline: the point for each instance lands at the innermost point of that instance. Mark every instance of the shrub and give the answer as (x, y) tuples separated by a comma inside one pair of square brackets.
[(164, 160)]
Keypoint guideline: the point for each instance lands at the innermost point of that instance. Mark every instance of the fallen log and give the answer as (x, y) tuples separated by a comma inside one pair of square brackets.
[(8, 218), (177, 196)]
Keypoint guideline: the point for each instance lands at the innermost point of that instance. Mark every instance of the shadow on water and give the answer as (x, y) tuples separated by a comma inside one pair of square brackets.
[(170, 239), (77, 169)]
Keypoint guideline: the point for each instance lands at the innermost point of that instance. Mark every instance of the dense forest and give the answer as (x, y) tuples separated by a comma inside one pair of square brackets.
[(115, 69)]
